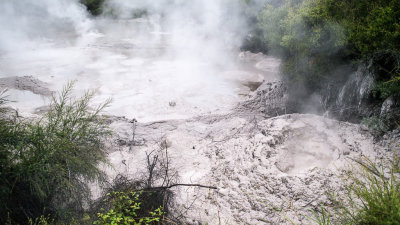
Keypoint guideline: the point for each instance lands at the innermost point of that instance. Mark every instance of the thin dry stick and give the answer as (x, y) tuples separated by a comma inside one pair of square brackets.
[(134, 121), (150, 166), (187, 185)]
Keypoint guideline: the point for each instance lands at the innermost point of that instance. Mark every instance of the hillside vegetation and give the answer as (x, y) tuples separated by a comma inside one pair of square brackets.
[(315, 36)]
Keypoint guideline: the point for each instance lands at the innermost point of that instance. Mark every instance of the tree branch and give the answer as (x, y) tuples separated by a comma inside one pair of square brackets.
[(187, 185)]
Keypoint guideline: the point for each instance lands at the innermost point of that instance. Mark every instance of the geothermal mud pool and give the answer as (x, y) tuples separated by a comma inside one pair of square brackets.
[(142, 81)]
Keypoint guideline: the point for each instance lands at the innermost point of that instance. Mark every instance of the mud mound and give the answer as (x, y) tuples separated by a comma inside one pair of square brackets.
[(266, 170), (26, 83)]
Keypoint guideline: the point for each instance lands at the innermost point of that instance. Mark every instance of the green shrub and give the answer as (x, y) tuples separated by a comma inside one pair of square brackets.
[(124, 208), (385, 89), (314, 37), (46, 164), (305, 38), (371, 26), (42, 220)]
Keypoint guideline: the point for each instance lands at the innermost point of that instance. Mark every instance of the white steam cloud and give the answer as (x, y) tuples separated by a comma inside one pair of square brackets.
[(26, 23), (195, 28), (181, 51)]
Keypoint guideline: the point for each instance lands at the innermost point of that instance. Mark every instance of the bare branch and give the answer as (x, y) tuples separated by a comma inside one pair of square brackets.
[(187, 185)]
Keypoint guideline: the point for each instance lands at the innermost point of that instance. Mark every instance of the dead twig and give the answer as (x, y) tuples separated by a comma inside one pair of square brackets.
[(151, 164)]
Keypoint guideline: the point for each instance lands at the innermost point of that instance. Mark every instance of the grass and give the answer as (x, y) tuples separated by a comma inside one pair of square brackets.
[(372, 197), (375, 194)]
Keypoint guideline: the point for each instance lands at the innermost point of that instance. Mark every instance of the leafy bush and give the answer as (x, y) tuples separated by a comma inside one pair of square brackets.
[(46, 164), (373, 33), (42, 220), (385, 89), (314, 37), (371, 26), (305, 38), (309, 25), (124, 209)]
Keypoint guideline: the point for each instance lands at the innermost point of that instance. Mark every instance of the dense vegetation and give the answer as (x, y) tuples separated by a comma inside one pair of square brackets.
[(315, 37)]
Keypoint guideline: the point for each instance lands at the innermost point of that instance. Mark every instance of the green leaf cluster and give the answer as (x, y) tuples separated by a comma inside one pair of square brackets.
[(125, 207), (371, 26), (385, 89)]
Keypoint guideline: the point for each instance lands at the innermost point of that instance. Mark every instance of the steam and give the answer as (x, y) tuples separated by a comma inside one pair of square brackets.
[(25, 24), (179, 51), (196, 28)]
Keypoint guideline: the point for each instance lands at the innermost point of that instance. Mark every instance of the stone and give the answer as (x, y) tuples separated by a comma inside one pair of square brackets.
[(387, 105)]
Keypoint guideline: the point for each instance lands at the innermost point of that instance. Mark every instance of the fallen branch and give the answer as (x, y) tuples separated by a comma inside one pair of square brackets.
[(187, 185)]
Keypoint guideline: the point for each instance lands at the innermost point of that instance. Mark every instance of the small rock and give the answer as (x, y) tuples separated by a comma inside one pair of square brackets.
[(364, 127), (387, 105), (172, 104), (121, 142)]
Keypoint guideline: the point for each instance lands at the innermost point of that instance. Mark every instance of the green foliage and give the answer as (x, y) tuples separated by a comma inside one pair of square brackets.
[(125, 208), (322, 218), (46, 164), (373, 196), (371, 26), (376, 124), (385, 89), (42, 220), (309, 25), (384, 123), (314, 37), (301, 33)]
